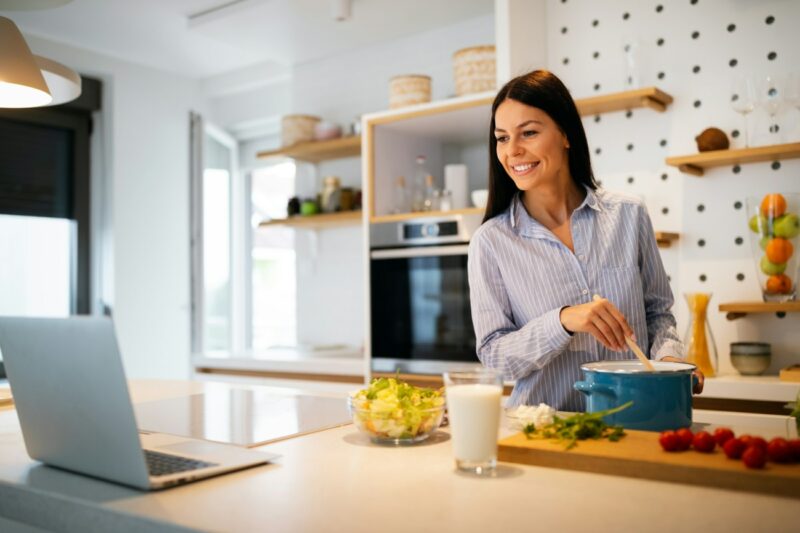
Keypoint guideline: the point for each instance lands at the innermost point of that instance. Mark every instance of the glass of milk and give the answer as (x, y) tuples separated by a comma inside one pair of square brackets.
[(473, 407)]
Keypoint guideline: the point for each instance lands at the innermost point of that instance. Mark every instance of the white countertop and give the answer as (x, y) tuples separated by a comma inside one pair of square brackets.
[(339, 362), (336, 480), (763, 388)]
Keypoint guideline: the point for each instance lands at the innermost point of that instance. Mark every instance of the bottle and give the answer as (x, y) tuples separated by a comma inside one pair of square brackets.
[(418, 185), (330, 194), (400, 196), (431, 201), (700, 347), (445, 200)]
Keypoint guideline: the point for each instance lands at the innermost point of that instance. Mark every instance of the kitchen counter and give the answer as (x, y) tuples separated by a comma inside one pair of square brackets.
[(336, 480)]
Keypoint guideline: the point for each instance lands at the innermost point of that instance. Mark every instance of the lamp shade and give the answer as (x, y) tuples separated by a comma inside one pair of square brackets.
[(63, 82), (21, 81)]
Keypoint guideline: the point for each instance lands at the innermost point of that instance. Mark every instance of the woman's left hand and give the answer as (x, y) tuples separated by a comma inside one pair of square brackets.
[(698, 387)]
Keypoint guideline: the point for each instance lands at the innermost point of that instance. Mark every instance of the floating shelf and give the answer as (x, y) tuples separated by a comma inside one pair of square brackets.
[(665, 238), (317, 151), (427, 214), (697, 163), (321, 221), (736, 310), (651, 97)]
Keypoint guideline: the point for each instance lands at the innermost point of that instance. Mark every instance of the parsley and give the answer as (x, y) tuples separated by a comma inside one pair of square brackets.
[(580, 426)]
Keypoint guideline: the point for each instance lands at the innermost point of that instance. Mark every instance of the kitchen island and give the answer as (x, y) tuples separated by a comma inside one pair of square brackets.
[(336, 480)]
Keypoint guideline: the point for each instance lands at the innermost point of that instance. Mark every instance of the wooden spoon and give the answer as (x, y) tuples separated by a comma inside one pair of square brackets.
[(634, 347)]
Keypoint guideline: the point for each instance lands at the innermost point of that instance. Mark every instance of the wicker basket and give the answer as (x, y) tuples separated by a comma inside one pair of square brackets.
[(474, 70), (409, 89), (297, 128)]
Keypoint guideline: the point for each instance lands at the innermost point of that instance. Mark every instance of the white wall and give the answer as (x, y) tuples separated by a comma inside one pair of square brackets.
[(674, 202), (141, 205), (340, 89)]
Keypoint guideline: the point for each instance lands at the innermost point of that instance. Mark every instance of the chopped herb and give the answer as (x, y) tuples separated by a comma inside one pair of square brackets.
[(580, 426)]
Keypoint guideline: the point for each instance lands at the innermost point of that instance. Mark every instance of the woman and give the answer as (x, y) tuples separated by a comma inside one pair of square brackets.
[(549, 243)]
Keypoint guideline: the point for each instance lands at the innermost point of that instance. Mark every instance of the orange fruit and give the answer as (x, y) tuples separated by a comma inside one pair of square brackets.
[(779, 250), (773, 205), (779, 284)]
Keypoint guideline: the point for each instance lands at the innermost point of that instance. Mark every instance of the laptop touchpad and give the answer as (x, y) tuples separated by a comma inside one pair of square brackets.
[(194, 447)]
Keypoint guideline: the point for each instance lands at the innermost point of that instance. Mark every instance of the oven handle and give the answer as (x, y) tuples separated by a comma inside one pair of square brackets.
[(426, 251)]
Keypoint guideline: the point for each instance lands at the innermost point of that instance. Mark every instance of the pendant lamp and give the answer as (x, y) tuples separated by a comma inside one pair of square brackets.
[(27, 80)]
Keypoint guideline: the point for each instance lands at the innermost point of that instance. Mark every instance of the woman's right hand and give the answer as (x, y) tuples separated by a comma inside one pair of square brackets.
[(601, 319)]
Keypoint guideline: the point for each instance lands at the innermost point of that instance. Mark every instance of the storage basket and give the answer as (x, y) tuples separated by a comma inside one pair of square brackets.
[(297, 128), (474, 69), (409, 89)]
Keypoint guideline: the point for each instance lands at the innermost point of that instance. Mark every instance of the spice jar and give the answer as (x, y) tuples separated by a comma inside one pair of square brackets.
[(331, 194)]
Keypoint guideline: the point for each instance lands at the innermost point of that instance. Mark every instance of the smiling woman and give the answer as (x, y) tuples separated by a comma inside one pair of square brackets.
[(549, 241)]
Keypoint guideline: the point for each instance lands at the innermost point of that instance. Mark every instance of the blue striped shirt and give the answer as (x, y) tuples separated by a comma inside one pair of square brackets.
[(521, 276)]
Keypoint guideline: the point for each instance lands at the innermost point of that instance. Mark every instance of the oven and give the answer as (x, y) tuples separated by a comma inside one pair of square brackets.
[(420, 318)]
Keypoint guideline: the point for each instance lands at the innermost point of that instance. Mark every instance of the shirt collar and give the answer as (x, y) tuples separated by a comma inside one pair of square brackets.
[(526, 225)]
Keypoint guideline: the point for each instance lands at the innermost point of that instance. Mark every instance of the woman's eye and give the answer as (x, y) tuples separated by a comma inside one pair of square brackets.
[(529, 133), (502, 139)]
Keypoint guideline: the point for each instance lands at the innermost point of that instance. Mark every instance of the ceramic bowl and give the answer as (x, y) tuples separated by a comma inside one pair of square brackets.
[(480, 197), (750, 358)]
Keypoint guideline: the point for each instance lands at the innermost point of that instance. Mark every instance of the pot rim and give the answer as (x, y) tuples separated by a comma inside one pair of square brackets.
[(635, 367)]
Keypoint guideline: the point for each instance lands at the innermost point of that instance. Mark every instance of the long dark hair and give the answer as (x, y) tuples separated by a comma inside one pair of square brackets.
[(541, 89)]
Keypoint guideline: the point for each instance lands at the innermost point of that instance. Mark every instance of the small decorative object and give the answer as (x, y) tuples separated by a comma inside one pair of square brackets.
[(309, 207), (409, 89), (750, 358), (293, 207), (712, 139), (297, 128), (480, 197), (331, 194), (346, 199), (775, 226), (324, 131), (474, 69), (700, 348)]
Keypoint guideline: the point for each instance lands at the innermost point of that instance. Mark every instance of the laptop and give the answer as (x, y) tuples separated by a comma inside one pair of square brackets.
[(75, 412)]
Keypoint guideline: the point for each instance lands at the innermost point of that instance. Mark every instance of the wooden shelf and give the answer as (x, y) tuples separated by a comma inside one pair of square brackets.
[(427, 214), (697, 163), (665, 238), (317, 151), (651, 97), (736, 310), (321, 221)]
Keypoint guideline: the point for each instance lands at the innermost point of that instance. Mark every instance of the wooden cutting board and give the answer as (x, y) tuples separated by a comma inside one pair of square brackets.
[(639, 455)]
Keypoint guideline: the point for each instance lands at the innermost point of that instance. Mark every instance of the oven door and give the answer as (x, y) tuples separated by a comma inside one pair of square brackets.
[(420, 308)]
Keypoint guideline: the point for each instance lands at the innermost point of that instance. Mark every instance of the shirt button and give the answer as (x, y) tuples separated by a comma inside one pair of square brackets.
[(582, 257), (585, 291)]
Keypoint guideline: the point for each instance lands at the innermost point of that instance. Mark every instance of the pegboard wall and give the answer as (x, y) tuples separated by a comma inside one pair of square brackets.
[(691, 49)]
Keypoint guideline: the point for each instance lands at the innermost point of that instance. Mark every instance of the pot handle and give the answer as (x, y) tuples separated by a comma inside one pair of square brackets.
[(695, 381), (591, 388)]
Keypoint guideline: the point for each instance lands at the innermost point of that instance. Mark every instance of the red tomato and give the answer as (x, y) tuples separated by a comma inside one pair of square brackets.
[(779, 451), (685, 436), (722, 435), (703, 442), (794, 444), (734, 448), (750, 440), (669, 441), (754, 457)]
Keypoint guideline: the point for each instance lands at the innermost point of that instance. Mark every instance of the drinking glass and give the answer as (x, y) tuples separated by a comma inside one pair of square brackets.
[(793, 89), (743, 100), (473, 407), (771, 99)]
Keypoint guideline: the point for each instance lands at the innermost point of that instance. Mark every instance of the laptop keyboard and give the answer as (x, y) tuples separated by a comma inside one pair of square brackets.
[(162, 464)]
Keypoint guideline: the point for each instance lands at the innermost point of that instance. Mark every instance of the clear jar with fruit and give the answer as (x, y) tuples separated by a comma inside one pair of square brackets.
[(774, 229)]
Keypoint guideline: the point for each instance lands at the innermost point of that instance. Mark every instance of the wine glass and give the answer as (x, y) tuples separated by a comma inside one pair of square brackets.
[(771, 98), (743, 99)]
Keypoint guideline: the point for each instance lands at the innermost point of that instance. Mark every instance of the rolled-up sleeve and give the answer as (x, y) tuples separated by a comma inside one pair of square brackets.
[(514, 350), (658, 299)]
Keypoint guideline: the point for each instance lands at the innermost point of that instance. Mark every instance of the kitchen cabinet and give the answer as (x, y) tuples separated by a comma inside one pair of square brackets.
[(696, 164)]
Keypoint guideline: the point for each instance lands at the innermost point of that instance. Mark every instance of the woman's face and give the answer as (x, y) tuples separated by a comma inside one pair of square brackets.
[(530, 145)]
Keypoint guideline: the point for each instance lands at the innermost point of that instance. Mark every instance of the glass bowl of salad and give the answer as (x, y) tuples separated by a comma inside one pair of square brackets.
[(391, 411)]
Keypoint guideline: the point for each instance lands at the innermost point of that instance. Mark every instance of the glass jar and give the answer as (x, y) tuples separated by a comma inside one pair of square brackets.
[(331, 193), (700, 348)]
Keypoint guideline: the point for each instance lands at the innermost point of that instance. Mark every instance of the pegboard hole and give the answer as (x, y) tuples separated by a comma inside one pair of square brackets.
[(737, 204), (740, 276), (703, 278), (738, 241)]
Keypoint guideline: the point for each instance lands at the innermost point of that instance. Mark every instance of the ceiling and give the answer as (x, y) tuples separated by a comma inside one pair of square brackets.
[(203, 38)]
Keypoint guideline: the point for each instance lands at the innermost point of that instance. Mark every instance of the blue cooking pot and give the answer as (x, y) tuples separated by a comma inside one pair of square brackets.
[(661, 399)]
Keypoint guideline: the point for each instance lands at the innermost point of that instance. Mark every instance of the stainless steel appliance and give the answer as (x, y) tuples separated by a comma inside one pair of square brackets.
[(419, 295)]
